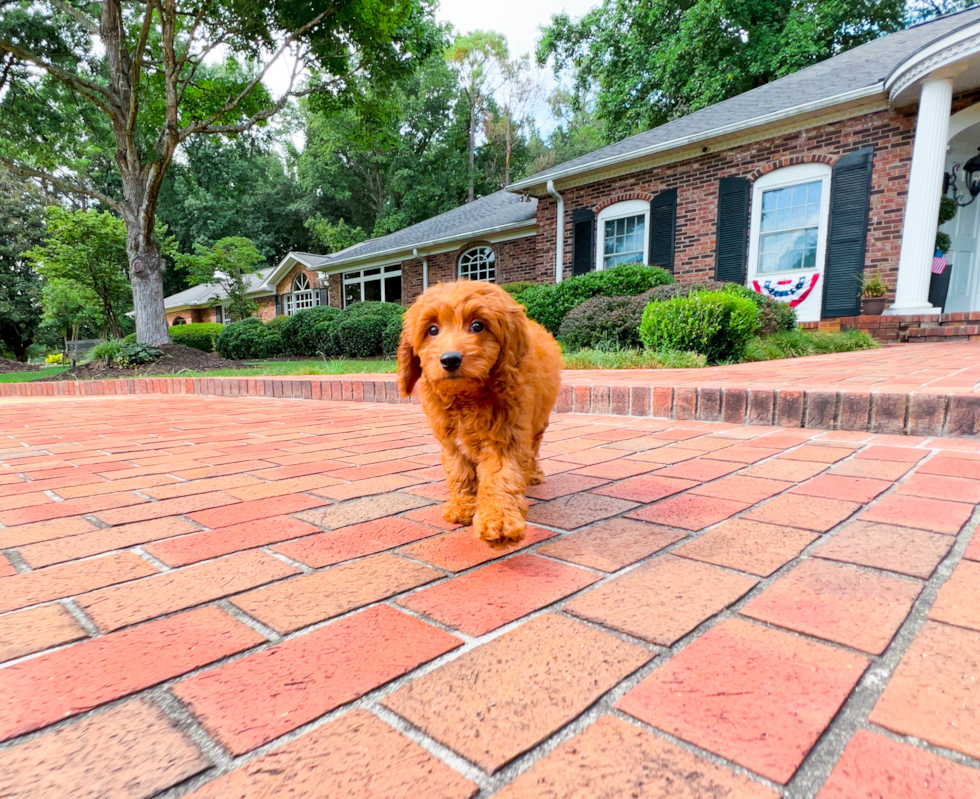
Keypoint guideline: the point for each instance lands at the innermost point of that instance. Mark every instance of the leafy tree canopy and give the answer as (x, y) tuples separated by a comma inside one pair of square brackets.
[(228, 265), (650, 61), (21, 227)]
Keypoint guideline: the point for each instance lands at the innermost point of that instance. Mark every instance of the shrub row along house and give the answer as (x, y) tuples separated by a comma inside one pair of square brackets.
[(798, 189)]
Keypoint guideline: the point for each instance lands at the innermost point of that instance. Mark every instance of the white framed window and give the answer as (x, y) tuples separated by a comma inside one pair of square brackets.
[(478, 263), (621, 234), (373, 285), (178, 320), (302, 295), (790, 209)]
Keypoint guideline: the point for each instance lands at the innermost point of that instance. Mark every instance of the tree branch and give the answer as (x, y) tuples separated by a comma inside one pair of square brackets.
[(232, 104), (135, 68), (90, 25), (62, 183), (91, 91)]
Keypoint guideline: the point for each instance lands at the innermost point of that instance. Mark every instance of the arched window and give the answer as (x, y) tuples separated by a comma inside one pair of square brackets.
[(302, 295), (178, 320), (478, 263), (621, 230)]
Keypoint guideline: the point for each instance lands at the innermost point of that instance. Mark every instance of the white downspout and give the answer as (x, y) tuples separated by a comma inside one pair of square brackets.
[(425, 267), (560, 231)]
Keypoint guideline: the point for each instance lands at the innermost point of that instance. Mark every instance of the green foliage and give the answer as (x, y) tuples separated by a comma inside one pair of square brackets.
[(112, 349), (799, 343), (71, 311), (249, 339), (633, 359), (548, 304), (199, 335), (361, 336), (228, 264), (873, 287), (300, 334), (716, 324), (773, 315), (651, 61), (517, 288), (88, 248), (334, 236), (391, 337), (21, 228), (135, 354)]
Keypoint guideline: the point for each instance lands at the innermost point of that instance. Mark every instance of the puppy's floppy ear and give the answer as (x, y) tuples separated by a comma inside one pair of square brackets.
[(409, 365), (514, 337)]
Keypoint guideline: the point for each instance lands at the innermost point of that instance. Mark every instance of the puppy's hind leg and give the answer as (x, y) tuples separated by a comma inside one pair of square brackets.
[(461, 480), (534, 474)]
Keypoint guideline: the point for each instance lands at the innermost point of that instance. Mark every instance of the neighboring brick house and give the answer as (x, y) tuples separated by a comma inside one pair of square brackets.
[(798, 188), (291, 285)]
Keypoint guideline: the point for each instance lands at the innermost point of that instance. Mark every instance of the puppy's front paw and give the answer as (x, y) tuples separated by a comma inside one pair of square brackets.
[(499, 527), (535, 478), (459, 510)]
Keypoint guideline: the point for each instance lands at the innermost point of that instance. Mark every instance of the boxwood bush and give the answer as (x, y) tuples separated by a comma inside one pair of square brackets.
[(249, 339), (774, 316), (299, 331), (719, 325), (360, 330), (548, 304), (199, 335), (613, 323)]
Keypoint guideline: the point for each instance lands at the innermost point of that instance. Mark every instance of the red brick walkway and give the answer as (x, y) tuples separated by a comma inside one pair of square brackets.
[(257, 597)]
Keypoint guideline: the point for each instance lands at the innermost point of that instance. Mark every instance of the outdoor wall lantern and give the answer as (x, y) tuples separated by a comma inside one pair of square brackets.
[(971, 173)]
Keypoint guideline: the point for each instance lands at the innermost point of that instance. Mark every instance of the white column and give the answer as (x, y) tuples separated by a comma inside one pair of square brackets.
[(922, 205)]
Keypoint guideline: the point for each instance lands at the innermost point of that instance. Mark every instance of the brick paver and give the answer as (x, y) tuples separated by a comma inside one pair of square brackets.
[(723, 584)]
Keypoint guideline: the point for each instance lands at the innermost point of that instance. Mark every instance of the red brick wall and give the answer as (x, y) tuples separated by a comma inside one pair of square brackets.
[(696, 181), (335, 290), (267, 308)]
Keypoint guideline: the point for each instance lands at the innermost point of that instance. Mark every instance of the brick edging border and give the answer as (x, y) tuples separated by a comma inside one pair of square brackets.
[(874, 412)]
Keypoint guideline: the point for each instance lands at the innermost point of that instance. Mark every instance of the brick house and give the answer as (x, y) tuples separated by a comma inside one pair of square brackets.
[(797, 188)]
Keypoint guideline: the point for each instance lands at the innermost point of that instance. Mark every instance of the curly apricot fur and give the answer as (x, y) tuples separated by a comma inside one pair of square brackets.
[(490, 414)]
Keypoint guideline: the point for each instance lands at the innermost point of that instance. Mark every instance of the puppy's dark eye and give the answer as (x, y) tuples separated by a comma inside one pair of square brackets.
[(477, 327), (433, 331)]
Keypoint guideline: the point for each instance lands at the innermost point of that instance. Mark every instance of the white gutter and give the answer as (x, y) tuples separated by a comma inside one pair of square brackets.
[(560, 232), (673, 144), (425, 267)]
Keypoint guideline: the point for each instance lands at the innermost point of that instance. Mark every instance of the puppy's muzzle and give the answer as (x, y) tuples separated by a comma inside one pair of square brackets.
[(451, 361)]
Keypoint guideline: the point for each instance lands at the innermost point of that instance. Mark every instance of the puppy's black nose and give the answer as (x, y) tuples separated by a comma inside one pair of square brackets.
[(451, 361)]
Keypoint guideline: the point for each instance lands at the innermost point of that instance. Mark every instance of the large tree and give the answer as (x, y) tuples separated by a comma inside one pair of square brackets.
[(651, 61), (21, 227), (98, 98)]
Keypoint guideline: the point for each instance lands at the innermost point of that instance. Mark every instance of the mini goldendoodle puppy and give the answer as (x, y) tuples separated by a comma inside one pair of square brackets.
[(488, 378)]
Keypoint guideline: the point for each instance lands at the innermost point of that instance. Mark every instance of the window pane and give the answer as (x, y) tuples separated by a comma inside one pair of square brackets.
[(395, 268), (349, 275), (372, 291), (352, 293), (372, 271), (393, 289)]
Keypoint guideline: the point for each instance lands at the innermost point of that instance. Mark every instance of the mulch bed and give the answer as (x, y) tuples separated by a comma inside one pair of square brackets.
[(7, 366), (176, 358)]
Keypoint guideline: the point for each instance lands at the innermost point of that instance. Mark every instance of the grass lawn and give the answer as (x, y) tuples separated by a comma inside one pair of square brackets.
[(273, 368), (27, 377)]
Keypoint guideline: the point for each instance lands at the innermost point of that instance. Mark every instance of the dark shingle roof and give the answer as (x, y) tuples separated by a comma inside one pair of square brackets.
[(499, 210), (864, 67)]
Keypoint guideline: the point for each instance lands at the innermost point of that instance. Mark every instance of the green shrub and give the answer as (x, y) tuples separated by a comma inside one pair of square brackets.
[(134, 354), (391, 337), (299, 334), (549, 304), (633, 359), (111, 348), (325, 338), (517, 288), (278, 324), (386, 310), (716, 324), (799, 343), (614, 322), (249, 339), (130, 339), (360, 336), (773, 314), (200, 335)]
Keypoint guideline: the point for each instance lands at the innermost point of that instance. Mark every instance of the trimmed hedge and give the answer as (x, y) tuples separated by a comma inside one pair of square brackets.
[(774, 316), (362, 330), (517, 288), (199, 335), (613, 323), (548, 304), (391, 337), (249, 339), (719, 325), (299, 331), (361, 336)]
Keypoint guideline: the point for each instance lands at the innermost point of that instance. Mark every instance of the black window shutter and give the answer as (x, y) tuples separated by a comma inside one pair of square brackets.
[(733, 229), (323, 297), (663, 217), (583, 241), (847, 235), (278, 305)]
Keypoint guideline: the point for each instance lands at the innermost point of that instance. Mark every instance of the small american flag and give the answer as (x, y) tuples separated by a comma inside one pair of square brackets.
[(938, 263)]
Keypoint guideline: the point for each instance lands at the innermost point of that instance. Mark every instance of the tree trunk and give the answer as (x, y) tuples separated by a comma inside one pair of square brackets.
[(472, 144), (146, 268), (508, 148)]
